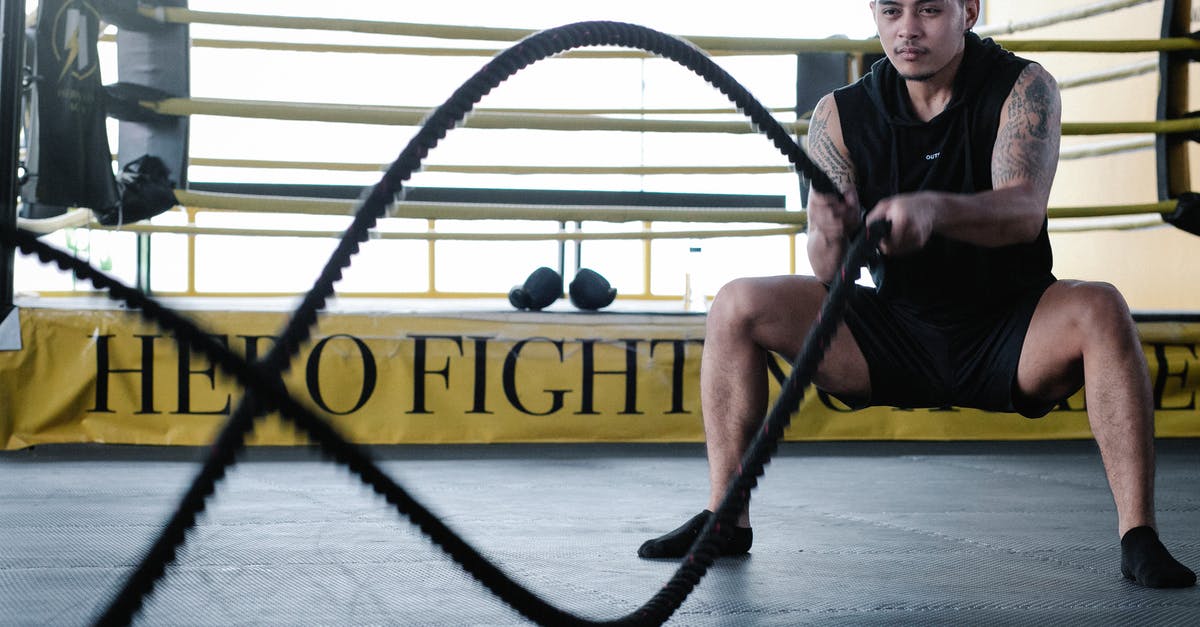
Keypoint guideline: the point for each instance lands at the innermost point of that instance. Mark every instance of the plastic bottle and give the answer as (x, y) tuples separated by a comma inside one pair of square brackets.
[(694, 299)]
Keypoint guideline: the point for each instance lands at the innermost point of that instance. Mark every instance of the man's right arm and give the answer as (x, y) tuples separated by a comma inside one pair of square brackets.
[(830, 220)]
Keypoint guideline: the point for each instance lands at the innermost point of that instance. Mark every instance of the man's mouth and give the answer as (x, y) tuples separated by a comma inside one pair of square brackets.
[(910, 53)]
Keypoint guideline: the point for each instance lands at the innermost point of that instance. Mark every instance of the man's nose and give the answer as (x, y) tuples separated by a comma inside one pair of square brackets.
[(909, 27)]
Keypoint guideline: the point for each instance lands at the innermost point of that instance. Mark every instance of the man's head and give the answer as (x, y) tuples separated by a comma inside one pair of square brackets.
[(924, 38)]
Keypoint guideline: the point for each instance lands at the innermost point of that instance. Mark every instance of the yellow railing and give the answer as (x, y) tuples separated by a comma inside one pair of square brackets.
[(750, 223), (726, 223)]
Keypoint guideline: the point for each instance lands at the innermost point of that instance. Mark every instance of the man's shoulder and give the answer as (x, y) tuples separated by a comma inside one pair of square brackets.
[(989, 74), (994, 66), (856, 91), (1035, 72)]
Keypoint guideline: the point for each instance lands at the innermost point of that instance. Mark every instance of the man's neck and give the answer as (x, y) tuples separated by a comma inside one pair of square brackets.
[(928, 102), (929, 97)]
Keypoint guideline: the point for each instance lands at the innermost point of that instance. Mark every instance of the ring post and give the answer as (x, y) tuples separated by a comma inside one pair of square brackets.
[(1174, 175), (12, 12)]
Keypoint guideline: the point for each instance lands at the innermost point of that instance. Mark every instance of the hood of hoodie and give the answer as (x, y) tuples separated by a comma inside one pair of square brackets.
[(889, 92)]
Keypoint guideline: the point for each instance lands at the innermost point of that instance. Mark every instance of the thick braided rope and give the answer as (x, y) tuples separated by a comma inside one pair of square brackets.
[(264, 379)]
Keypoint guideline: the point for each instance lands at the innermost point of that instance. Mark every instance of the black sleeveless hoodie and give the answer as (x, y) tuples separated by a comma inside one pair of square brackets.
[(893, 151)]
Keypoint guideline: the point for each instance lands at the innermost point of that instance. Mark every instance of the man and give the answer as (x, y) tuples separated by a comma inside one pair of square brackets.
[(955, 141)]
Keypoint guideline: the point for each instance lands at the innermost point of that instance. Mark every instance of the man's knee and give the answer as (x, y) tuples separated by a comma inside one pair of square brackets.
[(1074, 319), (739, 301), (774, 312), (1099, 307), (746, 301)]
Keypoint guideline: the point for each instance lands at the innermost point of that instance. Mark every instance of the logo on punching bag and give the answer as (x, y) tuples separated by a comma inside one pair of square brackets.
[(72, 39)]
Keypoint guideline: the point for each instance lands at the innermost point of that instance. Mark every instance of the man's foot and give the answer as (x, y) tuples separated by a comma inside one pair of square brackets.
[(676, 543), (1148, 563)]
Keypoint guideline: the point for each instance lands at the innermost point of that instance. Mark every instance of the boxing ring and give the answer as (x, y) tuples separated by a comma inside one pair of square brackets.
[(911, 550)]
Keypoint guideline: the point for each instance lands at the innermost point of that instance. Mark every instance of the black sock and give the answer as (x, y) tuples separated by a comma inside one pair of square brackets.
[(677, 542), (1147, 562)]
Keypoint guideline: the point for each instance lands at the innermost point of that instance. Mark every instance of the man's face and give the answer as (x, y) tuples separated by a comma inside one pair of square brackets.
[(923, 38)]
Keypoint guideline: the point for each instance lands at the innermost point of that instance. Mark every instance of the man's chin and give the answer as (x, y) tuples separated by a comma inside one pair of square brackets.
[(918, 77)]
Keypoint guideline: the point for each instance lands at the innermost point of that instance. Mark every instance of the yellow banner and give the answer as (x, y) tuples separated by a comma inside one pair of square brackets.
[(108, 376)]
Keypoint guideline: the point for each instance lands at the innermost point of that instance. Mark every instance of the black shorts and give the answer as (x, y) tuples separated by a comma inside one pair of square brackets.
[(970, 361)]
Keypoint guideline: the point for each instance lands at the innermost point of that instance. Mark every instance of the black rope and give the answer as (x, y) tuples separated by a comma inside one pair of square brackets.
[(266, 391)]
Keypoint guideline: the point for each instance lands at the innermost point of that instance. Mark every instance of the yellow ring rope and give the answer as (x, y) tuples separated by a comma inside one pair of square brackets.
[(492, 169), (424, 51), (848, 46), (1106, 217), (1163, 127), (738, 45), (495, 119), (1096, 211), (1068, 153), (177, 15), (413, 116), (1089, 224), (78, 218), (574, 213)]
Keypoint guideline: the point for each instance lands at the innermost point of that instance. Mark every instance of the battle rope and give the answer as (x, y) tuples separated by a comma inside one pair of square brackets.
[(266, 391)]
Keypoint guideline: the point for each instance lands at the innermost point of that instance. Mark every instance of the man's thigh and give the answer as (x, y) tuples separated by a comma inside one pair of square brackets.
[(1051, 366), (783, 310)]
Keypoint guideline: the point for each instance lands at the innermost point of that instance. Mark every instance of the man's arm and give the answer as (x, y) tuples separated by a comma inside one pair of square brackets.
[(1023, 163), (830, 220)]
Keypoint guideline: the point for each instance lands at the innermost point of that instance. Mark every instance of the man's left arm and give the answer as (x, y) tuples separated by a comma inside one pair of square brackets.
[(1024, 160)]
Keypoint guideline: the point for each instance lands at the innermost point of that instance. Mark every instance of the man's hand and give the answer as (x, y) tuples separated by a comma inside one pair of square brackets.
[(831, 218), (831, 221), (912, 217)]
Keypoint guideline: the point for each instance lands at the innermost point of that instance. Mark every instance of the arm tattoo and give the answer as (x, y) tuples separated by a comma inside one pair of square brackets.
[(1027, 146), (824, 153)]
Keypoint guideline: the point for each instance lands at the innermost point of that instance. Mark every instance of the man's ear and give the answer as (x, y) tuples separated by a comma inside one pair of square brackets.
[(972, 8)]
